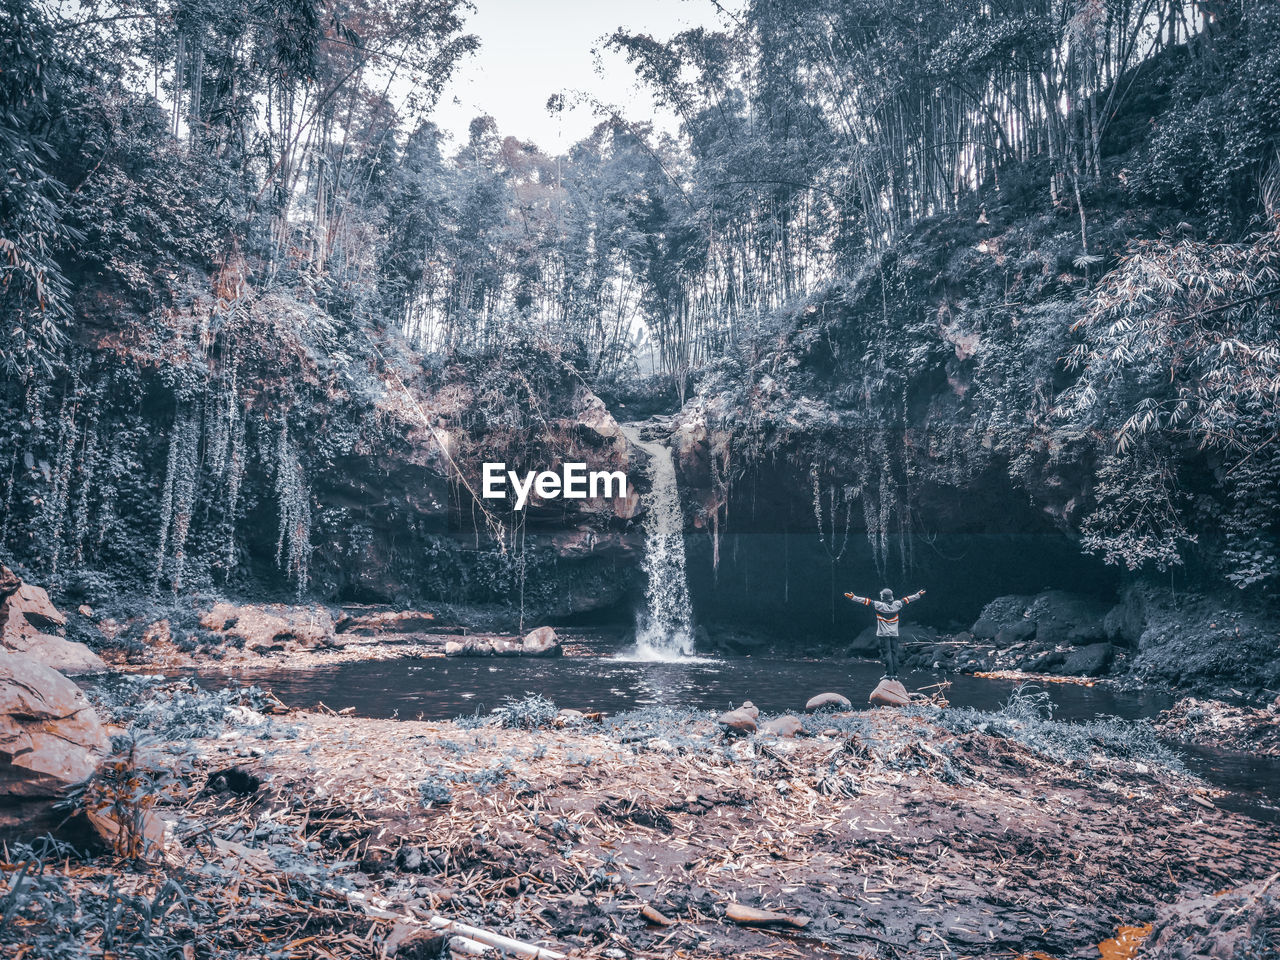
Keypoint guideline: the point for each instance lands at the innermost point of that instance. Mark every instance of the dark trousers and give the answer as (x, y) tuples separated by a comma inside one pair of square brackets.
[(889, 654)]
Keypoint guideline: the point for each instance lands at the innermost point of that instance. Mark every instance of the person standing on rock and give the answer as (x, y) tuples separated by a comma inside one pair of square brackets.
[(887, 625)]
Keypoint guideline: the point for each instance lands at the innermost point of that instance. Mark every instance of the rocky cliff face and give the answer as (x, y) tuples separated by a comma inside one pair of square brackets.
[(901, 431), (213, 456), (419, 531), (786, 515)]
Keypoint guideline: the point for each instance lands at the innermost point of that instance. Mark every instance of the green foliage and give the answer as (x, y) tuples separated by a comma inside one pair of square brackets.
[(124, 790), (1139, 511), (53, 913), (1091, 746), (1179, 359), (1249, 525), (171, 711), (1206, 153), (686, 729), (293, 546), (434, 793), (533, 712), (33, 287)]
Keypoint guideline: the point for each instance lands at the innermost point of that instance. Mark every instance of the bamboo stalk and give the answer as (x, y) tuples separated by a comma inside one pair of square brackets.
[(506, 944)]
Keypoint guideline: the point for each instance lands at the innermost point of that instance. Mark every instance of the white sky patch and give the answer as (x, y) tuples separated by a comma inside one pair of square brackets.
[(531, 50)]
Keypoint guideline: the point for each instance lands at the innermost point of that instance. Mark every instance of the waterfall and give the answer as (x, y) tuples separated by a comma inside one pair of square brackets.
[(664, 629)]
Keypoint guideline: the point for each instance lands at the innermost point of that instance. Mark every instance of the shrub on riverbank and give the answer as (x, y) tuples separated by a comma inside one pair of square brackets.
[(179, 709), (533, 712), (1027, 718)]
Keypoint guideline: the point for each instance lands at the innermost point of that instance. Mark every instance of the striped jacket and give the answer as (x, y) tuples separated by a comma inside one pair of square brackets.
[(887, 613)]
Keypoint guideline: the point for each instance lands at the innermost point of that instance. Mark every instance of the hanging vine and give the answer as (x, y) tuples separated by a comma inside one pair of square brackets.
[(87, 470), (54, 508), (234, 476), (827, 530), (293, 497), (177, 497)]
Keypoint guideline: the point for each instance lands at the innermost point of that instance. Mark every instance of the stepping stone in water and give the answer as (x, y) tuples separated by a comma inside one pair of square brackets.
[(743, 719), (833, 701), (890, 693)]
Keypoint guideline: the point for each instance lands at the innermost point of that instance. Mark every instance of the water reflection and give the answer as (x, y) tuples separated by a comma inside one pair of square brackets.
[(436, 689)]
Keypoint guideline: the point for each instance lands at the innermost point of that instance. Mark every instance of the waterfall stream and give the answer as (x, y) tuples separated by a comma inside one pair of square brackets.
[(664, 628)]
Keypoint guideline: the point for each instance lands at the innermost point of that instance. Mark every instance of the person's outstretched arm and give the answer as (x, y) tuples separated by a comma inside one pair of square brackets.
[(914, 597), (865, 601)]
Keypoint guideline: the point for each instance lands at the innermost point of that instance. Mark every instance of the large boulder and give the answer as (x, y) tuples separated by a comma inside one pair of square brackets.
[(30, 624), (591, 415), (272, 627), (541, 642), (828, 701), (1125, 622), (867, 644), (984, 628), (58, 653), (1000, 612), (1049, 662), (28, 609), (1068, 618), (1053, 618), (1014, 633), (890, 693), (864, 644), (50, 736), (1088, 661)]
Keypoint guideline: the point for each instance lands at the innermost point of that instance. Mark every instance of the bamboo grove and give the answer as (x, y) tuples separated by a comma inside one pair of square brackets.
[(809, 136)]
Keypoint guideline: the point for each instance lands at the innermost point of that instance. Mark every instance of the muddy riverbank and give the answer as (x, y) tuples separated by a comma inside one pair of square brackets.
[(881, 833)]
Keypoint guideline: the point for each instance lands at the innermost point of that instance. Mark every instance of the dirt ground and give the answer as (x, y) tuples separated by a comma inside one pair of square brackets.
[(1227, 726), (921, 833), (893, 836)]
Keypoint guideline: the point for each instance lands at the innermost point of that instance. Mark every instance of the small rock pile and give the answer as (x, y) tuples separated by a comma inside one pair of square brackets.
[(745, 719), (541, 642)]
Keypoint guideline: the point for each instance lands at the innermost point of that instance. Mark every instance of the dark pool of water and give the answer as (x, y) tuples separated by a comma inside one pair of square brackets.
[(438, 689)]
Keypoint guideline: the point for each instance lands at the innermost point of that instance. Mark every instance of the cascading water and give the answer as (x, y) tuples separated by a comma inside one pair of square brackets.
[(664, 629)]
